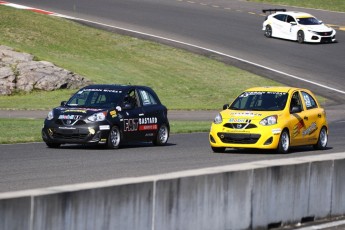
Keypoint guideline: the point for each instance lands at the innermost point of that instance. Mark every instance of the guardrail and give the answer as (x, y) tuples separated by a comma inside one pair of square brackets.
[(255, 195)]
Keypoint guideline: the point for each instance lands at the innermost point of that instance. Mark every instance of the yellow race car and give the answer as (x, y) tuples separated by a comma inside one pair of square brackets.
[(270, 118)]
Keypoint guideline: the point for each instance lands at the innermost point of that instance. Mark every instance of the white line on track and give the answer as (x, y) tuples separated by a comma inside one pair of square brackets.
[(324, 226), (182, 43)]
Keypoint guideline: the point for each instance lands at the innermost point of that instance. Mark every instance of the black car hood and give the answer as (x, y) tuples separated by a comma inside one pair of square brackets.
[(80, 111)]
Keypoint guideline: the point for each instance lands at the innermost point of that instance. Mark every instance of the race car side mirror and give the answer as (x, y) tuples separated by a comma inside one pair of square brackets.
[(127, 106), (293, 23), (295, 109), (63, 103), (226, 106)]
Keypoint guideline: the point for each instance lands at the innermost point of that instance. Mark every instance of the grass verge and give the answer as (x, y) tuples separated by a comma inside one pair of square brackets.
[(333, 5), (181, 79), (29, 130)]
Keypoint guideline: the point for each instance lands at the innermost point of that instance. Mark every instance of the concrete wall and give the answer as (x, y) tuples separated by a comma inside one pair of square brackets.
[(247, 196)]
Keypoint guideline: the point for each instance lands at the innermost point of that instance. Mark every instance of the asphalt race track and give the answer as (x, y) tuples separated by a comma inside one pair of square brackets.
[(28, 166), (229, 27)]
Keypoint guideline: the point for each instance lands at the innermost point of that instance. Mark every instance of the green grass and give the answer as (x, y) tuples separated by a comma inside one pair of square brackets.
[(181, 79), (29, 130), (20, 130), (334, 5)]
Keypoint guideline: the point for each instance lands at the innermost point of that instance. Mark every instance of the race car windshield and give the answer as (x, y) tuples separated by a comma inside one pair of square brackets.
[(260, 101), (95, 98), (308, 21)]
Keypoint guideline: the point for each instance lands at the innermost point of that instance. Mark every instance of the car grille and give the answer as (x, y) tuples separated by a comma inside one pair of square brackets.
[(239, 138), (326, 40), (324, 33), (70, 122), (239, 126), (72, 136)]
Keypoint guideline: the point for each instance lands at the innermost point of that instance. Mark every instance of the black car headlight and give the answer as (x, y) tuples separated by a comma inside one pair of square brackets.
[(50, 115), (97, 117)]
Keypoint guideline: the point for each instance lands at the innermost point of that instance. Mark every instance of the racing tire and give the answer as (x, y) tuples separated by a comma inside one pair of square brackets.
[(284, 142), (268, 31), (300, 36), (114, 138), (322, 140), (218, 149), (162, 135), (53, 145)]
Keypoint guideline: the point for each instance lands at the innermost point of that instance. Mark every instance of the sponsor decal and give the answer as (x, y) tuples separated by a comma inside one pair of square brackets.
[(245, 114), (100, 90), (311, 129), (148, 127), (276, 131), (299, 126), (113, 113), (238, 120), (148, 123), (130, 125), (104, 127), (66, 127), (70, 117), (75, 111), (147, 120)]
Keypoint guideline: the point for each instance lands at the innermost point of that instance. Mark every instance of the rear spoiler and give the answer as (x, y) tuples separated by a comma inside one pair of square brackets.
[(273, 10)]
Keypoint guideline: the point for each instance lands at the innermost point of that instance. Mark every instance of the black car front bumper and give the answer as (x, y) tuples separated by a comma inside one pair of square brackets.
[(88, 133)]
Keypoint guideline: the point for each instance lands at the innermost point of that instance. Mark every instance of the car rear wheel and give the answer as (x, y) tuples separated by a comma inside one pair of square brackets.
[(323, 139), (284, 142), (268, 31), (53, 145), (162, 135), (218, 149), (300, 36), (114, 138)]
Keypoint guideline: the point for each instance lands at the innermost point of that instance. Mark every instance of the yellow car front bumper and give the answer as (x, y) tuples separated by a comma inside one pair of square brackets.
[(262, 137)]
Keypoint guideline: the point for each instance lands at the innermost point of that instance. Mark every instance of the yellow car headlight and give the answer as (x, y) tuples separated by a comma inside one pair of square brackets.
[(218, 119), (270, 120)]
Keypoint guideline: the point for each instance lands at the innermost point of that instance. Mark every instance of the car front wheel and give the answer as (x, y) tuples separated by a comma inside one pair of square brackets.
[(323, 139), (300, 36), (268, 31), (114, 138), (162, 135), (284, 142)]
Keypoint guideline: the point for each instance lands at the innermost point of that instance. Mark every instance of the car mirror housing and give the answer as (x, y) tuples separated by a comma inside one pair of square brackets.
[(226, 106), (296, 109), (293, 23), (127, 106), (63, 103)]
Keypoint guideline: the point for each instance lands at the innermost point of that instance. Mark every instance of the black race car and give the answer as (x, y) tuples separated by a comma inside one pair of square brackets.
[(108, 115)]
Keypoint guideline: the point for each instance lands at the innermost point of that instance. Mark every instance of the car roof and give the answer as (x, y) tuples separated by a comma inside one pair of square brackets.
[(114, 86), (297, 14), (282, 89)]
